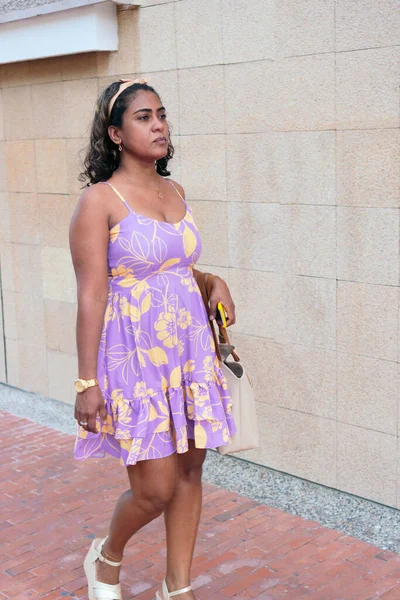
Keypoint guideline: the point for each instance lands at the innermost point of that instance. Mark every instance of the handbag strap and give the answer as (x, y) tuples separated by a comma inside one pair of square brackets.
[(205, 283)]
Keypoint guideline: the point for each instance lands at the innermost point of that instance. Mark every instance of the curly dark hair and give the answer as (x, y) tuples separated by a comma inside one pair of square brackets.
[(102, 156)]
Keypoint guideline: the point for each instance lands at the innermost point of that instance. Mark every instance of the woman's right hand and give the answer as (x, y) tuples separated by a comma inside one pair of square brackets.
[(87, 405)]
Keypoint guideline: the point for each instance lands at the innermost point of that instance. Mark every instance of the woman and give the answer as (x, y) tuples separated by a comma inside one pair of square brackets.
[(150, 389)]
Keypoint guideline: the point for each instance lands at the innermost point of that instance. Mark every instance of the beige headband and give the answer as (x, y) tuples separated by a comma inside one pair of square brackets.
[(125, 83)]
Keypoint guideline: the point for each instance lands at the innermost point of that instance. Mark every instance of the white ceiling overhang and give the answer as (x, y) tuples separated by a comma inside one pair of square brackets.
[(59, 28)]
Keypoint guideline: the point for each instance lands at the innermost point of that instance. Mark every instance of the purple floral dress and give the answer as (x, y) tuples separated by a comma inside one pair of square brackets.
[(157, 367)]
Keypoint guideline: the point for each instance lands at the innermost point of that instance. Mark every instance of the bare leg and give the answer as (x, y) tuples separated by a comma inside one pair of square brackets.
[(182, 516), (152, 486)]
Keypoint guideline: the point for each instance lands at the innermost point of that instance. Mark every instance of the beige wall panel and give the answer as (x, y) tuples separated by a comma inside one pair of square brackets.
[(304, 27), (255, 236), (20, 166), (368, 166), (145, 3), (15, 74), (368, 244), (106, 81), (365, 463), (200, 109), (55, 215), (76, 152), (12, 362), (79, 105), (156, 43), (5, 218), (297, 443), (198, 33), (257, 300), (18, 113), (60, 324), (212, 220), (1, 115), (58, 274), (368, 392), (304, 163), (49, 111), (63, 370), (309, 234), (366, 24), (27, 275), (10, 314), (308, 378), (24, 217), (122, 61), (308, 311), (248, 30), (2, 346), (202, 160), (45, 70), (30, 319), (291, 376), (304, 97), (78, 66), (249, 97), (32, 368), (51, 166), (367, 88), (250, 167), (7, 266), (3, 174), (367, 320)]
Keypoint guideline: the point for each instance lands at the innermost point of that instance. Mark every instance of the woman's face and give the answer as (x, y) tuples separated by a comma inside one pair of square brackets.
[(144, 130)]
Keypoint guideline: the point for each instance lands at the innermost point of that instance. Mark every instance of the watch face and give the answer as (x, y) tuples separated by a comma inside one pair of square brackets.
[(79, 386)]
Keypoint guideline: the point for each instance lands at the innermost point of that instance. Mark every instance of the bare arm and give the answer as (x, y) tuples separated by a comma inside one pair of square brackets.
[(88, 238)]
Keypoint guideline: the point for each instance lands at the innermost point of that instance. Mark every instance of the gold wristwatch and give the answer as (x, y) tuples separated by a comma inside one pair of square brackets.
[(81, 385)]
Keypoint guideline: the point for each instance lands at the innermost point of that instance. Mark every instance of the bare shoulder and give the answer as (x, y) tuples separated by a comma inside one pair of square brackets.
[(92, 203), (94, 196), (178, 186)]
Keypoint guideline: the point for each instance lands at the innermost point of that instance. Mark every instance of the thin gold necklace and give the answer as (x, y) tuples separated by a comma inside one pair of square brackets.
[(142, 184)]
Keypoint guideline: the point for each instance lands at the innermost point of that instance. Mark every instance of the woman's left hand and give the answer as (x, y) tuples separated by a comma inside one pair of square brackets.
[(220, 293)]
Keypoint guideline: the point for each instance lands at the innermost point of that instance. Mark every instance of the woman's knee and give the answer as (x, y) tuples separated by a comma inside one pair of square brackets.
[(154, 499), (153, 484), (190, 465)]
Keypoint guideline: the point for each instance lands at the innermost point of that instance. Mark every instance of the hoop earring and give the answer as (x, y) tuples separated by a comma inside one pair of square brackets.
[(120, 147)]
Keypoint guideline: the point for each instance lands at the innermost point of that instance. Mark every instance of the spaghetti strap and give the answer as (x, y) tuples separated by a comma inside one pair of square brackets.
[(118, 194), (177, 191)]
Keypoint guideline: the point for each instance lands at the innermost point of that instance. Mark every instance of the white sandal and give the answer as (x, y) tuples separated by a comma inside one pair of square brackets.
[(166, 595), (96, 589)]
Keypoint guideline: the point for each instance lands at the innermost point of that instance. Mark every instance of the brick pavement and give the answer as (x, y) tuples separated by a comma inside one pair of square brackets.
[(52, 506)]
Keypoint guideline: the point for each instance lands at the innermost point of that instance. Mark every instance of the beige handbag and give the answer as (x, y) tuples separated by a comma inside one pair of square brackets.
[(239, 384)]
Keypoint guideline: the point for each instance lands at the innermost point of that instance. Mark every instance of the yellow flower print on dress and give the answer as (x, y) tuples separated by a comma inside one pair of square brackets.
[(190, 282), (114, 233), (167, 330), (120, 407), (208, 368), (140, 390), (184, 318), (200, 393)]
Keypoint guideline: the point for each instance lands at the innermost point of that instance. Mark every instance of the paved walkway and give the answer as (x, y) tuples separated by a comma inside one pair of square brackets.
[(52, 506)]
